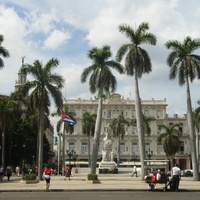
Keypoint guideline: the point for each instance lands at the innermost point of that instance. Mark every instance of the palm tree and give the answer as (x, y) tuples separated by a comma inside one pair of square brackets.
[(118, 126), (183, 62), (146, 124), (170, 139), (67, 128), (101, 79), (88, 128), (9, 111), (137, 62), (45, 85), (4, 52), (197, 128)]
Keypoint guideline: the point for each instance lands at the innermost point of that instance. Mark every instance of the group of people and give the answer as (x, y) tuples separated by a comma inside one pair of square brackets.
[(8, 172), (173, 181)]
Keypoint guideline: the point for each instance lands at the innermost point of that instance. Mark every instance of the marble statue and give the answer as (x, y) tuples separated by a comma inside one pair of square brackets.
[(107, 163), (106, 152)]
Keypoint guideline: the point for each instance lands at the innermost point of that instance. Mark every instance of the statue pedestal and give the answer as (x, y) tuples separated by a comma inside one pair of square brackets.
[(108, 167)]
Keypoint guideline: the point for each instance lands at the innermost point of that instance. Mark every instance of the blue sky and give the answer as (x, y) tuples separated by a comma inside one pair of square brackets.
[(65, 29)]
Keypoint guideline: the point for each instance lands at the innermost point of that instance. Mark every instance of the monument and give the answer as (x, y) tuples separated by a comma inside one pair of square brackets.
[(107, 164)]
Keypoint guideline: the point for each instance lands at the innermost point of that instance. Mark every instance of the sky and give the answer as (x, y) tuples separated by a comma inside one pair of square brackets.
[(67, 30)]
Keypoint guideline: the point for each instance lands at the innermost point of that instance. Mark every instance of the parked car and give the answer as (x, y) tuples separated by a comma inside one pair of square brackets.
[(188, 172)]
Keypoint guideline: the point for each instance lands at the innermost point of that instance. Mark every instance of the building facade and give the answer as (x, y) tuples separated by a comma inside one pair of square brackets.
[(114, 106)]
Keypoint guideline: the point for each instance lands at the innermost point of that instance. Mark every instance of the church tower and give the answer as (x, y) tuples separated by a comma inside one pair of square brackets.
[(22, 76)]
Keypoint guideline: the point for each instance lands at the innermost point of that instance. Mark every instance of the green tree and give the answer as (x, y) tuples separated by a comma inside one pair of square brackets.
[(88, 128), (186, 65), (101, 79), (118, 127), (67, 128), (170, 139), (137, 63), (9, 111), (45, 85), (146, 124), (23, 140), (4, 52)]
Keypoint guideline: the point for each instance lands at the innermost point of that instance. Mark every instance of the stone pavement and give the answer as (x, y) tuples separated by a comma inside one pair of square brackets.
[(78, 182)]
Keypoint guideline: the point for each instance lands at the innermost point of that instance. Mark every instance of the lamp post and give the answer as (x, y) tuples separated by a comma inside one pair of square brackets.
[(149, 154), (134, 157), (33, 168), (70, 153), (72, 156), (59, 152), (33, 160), (75, 162)]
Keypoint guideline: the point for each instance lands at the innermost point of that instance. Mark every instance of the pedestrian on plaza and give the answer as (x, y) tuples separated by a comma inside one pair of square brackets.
[(8, 172), (67, 172), (17, 171), (47, 176), (24, 170), (176, 174), (134, 171), (158, 175), (1, 173)]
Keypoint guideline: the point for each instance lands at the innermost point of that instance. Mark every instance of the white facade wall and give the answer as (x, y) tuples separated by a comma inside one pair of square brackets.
[(112, 108)]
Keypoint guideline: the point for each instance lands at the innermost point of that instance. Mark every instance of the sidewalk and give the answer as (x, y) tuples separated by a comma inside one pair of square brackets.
[(109, 182)]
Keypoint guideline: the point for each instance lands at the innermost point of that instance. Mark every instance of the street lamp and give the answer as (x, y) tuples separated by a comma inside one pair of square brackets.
[(72, 156), (149, 154), (134, 157), (59, 152), (75, 162)]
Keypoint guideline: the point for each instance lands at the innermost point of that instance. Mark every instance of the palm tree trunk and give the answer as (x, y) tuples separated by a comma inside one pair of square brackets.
[(191, 134), (171, 162), (63, 155), (97, 134), (3, 150), (197, 144), (138, 109), (89, 159), (118, 151), (41, 133)]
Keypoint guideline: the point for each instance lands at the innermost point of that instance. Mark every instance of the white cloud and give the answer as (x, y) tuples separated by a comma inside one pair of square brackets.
[(56, 38), (40, 22), (32, 28)]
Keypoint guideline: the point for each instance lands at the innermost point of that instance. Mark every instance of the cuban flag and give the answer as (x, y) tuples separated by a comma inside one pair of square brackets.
[(67, 119)]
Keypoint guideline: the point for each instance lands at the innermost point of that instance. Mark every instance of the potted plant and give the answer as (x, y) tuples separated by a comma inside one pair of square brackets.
[(93, 178), (29, 178)]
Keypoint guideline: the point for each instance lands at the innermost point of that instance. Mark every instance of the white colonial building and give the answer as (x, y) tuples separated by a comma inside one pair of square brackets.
[(114, 106)]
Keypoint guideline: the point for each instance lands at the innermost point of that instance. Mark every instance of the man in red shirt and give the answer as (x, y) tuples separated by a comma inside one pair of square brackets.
[(67, 172), (47, 176)]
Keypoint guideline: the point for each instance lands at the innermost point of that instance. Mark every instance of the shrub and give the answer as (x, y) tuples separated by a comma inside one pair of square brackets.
[(30, 177), (92, 177)]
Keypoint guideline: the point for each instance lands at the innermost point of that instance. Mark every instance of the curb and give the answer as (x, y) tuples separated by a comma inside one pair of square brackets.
[(99, 190)]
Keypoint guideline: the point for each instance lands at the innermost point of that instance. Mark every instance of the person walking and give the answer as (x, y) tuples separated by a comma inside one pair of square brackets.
[(8, 172), (134, 171), (176, 174), (47, 176), (67, 172), (17, 171), (1, 173)]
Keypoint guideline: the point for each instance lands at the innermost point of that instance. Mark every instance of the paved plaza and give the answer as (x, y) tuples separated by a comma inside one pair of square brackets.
[(78, 182)]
